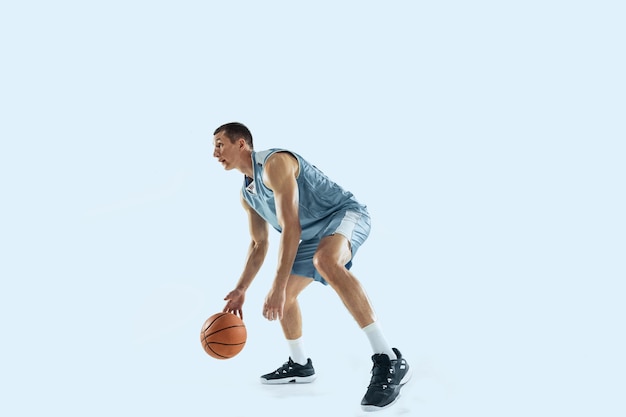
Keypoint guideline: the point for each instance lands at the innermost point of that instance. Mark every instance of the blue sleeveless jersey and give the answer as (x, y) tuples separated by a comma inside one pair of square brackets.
[(319, 196)]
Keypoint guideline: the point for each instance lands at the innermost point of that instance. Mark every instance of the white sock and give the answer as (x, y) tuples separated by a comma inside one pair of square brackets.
[(296, 346), (378, 341)]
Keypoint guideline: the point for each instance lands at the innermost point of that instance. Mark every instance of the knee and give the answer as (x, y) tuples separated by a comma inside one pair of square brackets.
[(326, 264), (291, 298), (290, 302)]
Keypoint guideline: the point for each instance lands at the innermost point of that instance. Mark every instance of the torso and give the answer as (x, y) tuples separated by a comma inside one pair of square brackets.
[(319, 197)]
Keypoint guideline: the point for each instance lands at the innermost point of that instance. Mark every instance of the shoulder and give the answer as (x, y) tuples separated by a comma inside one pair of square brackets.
[(281, 158), (281, 163), (279, 167)]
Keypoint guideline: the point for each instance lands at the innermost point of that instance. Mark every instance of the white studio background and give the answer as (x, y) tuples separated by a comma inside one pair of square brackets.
[(487, 139)]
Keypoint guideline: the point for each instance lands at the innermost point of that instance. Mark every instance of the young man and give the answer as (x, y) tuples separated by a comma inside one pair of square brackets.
[(321, 227)]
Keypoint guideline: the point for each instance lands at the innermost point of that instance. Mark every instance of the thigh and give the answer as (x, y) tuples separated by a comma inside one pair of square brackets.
[(335, 248)]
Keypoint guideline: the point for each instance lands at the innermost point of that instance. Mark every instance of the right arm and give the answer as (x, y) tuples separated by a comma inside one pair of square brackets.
[(259, 244)]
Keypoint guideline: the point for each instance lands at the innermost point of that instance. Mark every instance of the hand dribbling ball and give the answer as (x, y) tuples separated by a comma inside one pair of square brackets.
[(223, 335)]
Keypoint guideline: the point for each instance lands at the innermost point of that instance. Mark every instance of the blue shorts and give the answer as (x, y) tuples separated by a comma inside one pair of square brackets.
[(354, 225)]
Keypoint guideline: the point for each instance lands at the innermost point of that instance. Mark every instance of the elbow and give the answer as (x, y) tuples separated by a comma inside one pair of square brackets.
[(261, 246)]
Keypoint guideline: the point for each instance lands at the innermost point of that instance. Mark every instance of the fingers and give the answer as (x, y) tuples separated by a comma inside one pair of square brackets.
[(234, 310), (272, 313)]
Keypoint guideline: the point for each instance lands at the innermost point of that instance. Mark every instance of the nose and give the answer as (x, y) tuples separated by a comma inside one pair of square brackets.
[(216, 153)]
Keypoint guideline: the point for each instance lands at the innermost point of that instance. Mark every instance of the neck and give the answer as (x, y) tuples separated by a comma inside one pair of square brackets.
[(246, 165)]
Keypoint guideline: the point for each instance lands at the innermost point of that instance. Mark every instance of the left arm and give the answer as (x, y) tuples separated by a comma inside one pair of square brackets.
[(280, 174)]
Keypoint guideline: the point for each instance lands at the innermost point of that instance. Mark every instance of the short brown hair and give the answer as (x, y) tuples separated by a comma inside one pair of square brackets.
[(234, 131)]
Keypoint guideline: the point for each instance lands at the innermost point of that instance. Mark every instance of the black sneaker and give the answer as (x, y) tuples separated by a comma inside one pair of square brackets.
[(388, 376), (291, 372)]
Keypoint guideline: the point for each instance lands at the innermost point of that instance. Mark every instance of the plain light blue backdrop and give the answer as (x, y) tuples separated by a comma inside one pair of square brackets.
[(487, 139)]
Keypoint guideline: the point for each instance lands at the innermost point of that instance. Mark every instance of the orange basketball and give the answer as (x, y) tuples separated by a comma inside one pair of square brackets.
[(223, 335)]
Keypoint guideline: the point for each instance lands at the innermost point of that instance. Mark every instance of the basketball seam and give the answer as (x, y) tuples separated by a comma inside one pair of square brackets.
[(216, 319), (221, 356), (225, 328)]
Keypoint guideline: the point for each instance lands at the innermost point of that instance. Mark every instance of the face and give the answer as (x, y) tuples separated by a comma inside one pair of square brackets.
[(225, 151)]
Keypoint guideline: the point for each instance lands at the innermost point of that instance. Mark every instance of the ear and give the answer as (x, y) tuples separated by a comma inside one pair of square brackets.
[(242, 143)]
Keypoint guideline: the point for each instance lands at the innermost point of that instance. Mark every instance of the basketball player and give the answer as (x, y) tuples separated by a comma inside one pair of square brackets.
[(322, 226)]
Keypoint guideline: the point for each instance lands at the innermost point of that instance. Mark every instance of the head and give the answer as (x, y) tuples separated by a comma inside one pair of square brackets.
[(232, 146), (234, 131)]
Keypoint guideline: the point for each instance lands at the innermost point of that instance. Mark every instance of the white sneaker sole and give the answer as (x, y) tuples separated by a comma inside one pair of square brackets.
[(291, 380)]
